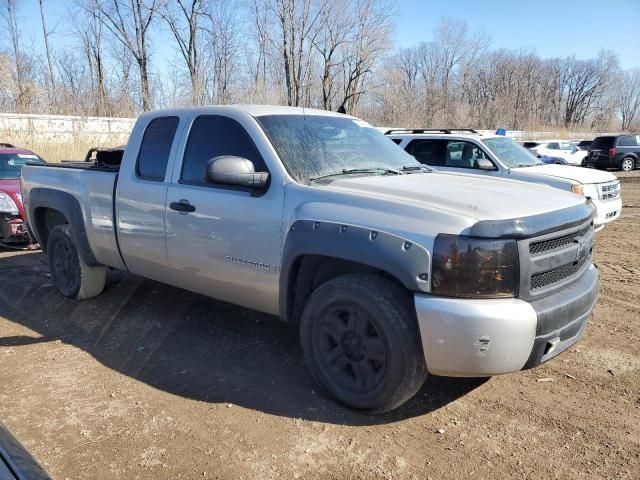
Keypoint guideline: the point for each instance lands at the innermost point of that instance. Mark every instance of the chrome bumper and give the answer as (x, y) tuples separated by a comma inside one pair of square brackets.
[(476, 338)]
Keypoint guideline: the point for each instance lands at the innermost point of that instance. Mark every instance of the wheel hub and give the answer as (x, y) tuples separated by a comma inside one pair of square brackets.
[(353, 346), (64, 264), (350, 348)]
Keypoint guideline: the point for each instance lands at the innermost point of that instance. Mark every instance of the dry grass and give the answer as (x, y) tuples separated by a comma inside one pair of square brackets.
[(56, 150)]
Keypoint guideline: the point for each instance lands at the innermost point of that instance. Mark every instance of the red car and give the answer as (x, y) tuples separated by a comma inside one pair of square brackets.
[(13, 229)]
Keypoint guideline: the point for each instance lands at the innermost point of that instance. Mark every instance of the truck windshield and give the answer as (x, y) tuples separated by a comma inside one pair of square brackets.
[(11, 163), (313, 146), (511, 153)]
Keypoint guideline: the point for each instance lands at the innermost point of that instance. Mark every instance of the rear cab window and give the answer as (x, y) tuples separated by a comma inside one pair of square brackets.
[(155, 148)]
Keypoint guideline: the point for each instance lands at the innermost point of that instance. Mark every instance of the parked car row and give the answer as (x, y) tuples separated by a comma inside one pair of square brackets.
[(395, 261), (610, 151)]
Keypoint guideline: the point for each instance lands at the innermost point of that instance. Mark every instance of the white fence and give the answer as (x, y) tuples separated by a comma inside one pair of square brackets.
[(531, 135), (64, 129)]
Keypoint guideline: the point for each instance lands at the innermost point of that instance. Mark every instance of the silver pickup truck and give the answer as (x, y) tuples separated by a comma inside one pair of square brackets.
[(392, 270)]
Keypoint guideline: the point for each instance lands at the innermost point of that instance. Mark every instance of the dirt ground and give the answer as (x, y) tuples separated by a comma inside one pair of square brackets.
[(152, 382)]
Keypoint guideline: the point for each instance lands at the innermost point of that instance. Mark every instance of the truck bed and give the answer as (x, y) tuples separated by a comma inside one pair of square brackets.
[(80, 164), (93, 188)]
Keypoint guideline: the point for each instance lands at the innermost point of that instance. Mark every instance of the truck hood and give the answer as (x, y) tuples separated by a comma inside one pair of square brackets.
[(480, 198), (577, 174)]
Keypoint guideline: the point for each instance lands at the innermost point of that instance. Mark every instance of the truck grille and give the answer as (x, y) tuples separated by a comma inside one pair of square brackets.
[(544, 279), (609, 191), (555, 243), (551, 261)]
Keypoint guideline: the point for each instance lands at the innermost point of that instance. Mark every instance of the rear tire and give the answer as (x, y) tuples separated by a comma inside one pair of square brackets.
[(360, 339), (72, 277), (627, 164)]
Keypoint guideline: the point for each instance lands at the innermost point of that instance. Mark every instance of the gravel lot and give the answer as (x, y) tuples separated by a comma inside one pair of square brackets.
[(152, 382)]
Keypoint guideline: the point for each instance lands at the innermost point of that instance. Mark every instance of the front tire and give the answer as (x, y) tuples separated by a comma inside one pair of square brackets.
[(72, 277), (360, 339), (627, 164)]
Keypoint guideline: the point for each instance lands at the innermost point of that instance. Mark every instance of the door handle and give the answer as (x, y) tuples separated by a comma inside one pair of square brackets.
[(182, 206)]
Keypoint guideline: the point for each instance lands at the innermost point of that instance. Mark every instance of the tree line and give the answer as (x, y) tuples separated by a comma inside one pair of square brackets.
[(123, 57)]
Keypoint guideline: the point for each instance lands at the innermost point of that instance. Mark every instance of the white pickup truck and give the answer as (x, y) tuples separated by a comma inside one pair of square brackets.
[(391, 269)]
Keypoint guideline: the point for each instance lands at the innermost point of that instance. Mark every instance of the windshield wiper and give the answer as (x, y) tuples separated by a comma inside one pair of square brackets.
[(348, 171), (416, 168)]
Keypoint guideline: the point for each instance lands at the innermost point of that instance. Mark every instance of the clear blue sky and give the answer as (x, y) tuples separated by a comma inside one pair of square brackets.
[(549, 27)]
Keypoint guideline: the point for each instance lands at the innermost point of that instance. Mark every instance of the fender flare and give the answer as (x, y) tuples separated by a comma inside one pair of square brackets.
[(408, 262), (68, 206)]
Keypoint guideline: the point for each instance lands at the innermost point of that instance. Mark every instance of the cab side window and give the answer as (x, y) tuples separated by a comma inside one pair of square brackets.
[(553, 146), (428, 152), (628, 141), (155, 148), (461, 154), (212, 136)]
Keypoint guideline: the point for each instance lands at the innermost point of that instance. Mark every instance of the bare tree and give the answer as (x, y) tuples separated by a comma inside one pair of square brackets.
[(585, 81), (337, 24), (129, 22), (75, 96), (184, 18), (259, 14), (371, 39), (19, 62), (327, 53), (223, 48), (298, 24), (45, 35), (89, 30), (628, 98)]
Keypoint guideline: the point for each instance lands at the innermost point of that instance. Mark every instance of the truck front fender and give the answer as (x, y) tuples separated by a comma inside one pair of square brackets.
[(406, 261), (43, 199)]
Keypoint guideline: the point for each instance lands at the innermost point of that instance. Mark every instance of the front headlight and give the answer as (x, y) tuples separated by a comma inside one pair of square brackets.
[(7, 204), (589, 191), (471, 267)]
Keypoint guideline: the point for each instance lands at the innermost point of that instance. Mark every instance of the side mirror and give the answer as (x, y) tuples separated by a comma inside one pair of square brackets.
[(232, 170), (484, 164)]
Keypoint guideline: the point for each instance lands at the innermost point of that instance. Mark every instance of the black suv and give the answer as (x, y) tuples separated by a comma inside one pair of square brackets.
[(621, 151)]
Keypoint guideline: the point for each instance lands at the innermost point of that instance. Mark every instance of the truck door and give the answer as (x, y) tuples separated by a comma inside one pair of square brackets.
[(224, 241), (141, 196)]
